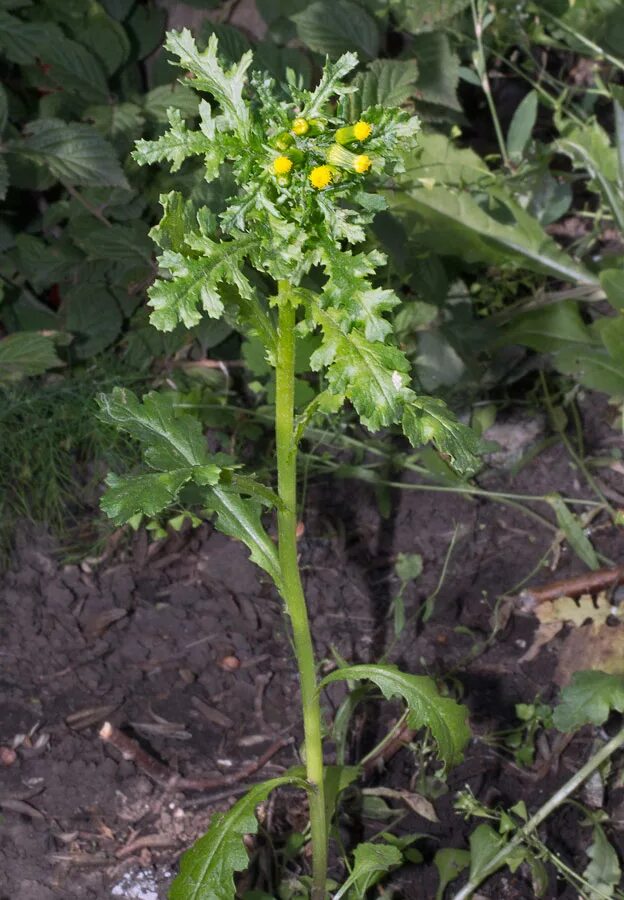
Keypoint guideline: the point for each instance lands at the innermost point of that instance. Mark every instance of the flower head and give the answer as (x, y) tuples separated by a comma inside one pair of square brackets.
[(300, 127), (282, 165), (320, 176), (362, 163), (362, 130)]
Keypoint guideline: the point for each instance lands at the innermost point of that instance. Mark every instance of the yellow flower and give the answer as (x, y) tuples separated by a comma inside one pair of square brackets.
[(362, 163), (282, 165), (320, 176), (361, 130), (300, 127)]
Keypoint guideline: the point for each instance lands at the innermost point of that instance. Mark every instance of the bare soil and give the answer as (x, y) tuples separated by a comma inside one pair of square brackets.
[(183, 645)]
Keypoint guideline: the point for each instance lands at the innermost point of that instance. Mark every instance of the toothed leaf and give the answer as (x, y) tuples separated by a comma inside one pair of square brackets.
[(446, 719), (207, 869)]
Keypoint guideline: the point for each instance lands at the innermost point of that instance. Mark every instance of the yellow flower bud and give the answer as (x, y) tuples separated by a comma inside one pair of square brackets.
[(340, 156), (320, 176), (282, 165), (300, 127), (358, 132)]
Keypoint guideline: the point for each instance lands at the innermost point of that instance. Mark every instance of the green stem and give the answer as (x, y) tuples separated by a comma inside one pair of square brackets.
[(543, 812), (292, 589), (481, 65)]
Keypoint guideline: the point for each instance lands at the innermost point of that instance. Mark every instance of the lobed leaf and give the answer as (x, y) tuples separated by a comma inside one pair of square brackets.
[(226, 86), (446, 719), (171, 442), (207, 869), (331, 84), (429, 419), (176, 145), (147, 494)]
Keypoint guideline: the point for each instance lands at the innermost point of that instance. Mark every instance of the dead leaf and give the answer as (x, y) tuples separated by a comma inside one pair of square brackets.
[(595, 641), (416, 802)]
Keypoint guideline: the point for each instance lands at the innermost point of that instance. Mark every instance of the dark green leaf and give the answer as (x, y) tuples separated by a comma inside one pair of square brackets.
[(91, 312), (26, 353), (386, 82), (438, 70), (4, 178), (445, 718), (589, 699), (335, 27), (147, 25), (4, 109), (75, 69), (23, 42), (207, 869), (426, 15), (72, 152)]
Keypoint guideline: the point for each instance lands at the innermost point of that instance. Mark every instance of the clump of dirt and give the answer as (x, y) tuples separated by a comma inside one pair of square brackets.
[(184, 646)]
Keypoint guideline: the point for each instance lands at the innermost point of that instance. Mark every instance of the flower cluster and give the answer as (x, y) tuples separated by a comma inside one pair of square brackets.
[(339, 159)]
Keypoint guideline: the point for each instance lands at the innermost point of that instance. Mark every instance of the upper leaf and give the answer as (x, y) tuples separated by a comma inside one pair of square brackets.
[(331, 84), (333, 27), (589, 699), (446, 719), (226, 86), (207, 869)]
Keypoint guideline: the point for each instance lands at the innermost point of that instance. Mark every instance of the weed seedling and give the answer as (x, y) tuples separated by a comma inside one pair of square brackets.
[(278, 262)]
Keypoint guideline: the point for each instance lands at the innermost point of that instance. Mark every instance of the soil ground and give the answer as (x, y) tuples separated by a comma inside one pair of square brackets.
[(144, 640)]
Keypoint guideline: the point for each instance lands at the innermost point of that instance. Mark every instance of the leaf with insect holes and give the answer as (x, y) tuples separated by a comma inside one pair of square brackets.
[(429, 419), (348, 288), (226, 86), (589, 699), (370, 863), (370, 374), (207, 869), (446, 719)]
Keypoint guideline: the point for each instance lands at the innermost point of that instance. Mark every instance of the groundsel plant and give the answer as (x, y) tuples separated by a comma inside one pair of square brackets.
[(305, 193)]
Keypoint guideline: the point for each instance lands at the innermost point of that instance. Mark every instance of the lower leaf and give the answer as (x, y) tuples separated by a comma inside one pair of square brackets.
[(207, 869)]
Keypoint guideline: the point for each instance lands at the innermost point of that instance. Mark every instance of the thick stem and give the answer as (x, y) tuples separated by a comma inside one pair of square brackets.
[(292, 589), (543, 812)]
